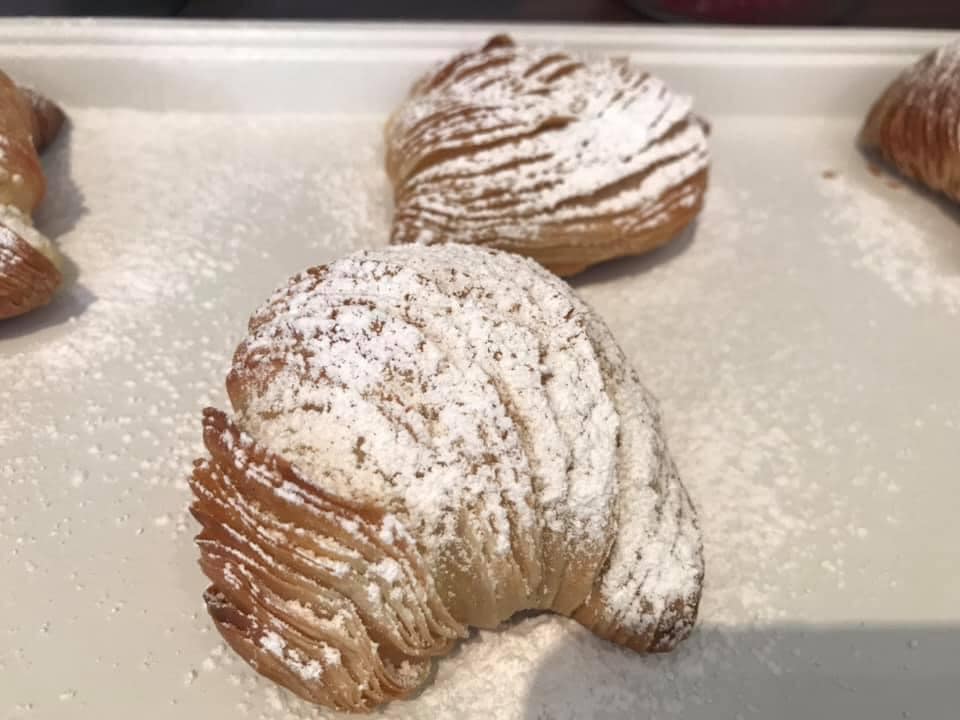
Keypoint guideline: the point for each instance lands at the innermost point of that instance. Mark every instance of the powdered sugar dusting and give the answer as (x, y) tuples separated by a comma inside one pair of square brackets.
[(508, 144), (15, 224), (896, 241), (468, 391), (931, 83)]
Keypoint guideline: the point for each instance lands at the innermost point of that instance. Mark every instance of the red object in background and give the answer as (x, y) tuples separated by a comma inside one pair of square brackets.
[(746, 11)]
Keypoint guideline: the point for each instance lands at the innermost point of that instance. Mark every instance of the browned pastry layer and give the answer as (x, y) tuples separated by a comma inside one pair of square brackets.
[(425, 439), (46, 119), (29, 273), (570, 160), (293, 568), (915, 124), (28, 278)]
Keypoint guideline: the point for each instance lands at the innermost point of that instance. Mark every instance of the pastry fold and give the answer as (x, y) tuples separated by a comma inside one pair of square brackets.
[(29, 264), (915, 124), (426, 439), (568, 159)]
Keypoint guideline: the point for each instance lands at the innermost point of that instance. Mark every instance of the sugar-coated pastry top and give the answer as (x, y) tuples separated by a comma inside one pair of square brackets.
[(570, 159), (471, 401)]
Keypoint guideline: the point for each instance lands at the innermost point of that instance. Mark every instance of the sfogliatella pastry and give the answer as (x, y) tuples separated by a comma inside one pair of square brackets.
[(567, 159), (427, 439), (29, 264), (914, 124)]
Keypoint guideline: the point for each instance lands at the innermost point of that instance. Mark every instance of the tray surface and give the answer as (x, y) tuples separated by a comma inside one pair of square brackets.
[(801, 339)]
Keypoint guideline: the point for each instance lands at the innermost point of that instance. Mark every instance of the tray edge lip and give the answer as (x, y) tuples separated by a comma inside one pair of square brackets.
[(285, 35)]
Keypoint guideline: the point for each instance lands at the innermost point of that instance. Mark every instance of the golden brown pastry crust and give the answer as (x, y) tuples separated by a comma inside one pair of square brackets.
[(569, 160), (46, 118), (292, 567), (915, 123), (28, 279), (428, 439), (29, 275)]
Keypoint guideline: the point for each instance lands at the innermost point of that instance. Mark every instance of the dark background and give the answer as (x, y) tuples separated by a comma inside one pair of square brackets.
[(906, 13)]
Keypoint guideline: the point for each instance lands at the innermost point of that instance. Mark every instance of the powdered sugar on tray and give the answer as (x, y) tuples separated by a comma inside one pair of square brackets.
[(138, 247), (801, 390), (896, 232)]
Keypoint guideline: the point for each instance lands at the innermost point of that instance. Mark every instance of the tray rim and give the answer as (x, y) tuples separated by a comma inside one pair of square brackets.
[(266, 34)]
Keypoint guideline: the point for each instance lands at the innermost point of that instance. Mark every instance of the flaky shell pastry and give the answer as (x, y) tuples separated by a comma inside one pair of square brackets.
[(29, 264), (915, 123), (426, 439), (570, 160)]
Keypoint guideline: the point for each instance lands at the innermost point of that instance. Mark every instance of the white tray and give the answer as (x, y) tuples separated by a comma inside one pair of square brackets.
[(802, 339)]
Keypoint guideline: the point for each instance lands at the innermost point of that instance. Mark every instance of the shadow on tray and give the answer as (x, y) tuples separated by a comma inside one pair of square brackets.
[(787, 673), (69, 302), (64, 203), (618, 268)]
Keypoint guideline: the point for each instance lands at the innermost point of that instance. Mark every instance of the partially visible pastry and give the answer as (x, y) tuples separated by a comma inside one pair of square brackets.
[(427, 439), (570, 160), (915, 124), (29, 263)]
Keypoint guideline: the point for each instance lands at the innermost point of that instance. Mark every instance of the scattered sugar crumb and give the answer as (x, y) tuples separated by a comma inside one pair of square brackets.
[(895, 243)]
